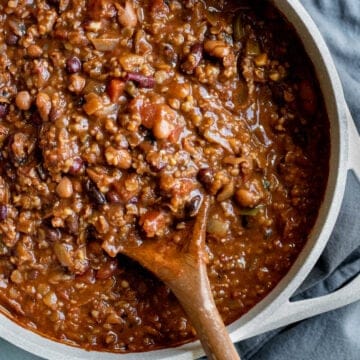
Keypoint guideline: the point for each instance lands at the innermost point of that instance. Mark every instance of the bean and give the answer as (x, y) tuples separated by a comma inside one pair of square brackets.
[(3, 212), (193, 206), (23, 100), (142, 81), (217, 227), (77, 166), (65, 188), (72, 223), (11, 39), (4, 109), (73, 65), (245, 198), (34, 51), (113, 197), (76, 83), (163, 122), (206, 177), (162, 128), (52, 234), (94, 193), (16, 277)]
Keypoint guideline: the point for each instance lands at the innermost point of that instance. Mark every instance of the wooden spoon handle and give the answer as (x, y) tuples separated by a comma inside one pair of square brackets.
[(192, 289), (201, 309)]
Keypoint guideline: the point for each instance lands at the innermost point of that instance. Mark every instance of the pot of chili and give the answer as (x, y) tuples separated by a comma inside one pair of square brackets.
[(115, 119)]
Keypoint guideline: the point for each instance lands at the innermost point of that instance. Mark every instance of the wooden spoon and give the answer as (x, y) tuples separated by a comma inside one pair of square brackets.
[(183, 270)]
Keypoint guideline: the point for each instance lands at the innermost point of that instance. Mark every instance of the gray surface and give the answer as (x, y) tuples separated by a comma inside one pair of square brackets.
[(335, 335)]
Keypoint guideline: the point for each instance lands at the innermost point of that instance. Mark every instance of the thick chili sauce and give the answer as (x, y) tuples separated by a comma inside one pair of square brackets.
[(115, 119)]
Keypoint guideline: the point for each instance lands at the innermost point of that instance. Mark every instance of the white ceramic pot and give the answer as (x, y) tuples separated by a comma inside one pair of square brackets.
[(275, 310)]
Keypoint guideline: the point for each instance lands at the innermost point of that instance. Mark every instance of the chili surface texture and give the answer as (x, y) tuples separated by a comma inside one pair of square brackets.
[(115, 119)]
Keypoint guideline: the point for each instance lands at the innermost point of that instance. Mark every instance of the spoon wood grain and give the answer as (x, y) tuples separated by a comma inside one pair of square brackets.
[(183, 270)]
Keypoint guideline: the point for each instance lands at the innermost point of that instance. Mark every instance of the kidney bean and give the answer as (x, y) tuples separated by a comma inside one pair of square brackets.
[(113, 197), (142, 81), (94, 193), (76, 167), (4, 110), (206, 177), (3, 212), (11, 39), (52, 234), (73, 65)]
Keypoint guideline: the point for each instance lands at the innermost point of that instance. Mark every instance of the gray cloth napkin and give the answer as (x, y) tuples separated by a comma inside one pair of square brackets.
[(334, 335)]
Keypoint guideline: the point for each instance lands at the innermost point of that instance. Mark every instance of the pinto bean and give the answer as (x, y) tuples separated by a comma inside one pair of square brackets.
[(4, 110), (23, 100), (65, 188)]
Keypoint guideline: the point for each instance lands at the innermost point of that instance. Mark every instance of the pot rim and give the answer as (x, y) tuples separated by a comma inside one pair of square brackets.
[(251, 322)]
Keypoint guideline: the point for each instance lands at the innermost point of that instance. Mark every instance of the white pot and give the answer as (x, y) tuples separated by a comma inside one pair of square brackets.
[(275, 310)]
